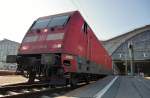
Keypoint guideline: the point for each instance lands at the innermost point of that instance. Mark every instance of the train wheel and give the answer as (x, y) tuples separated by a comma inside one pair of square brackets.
[(74, 82), (53, 86), (32, 76), (87, 80)]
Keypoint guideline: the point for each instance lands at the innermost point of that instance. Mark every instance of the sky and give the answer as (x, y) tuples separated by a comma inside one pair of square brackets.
[(107, 18)]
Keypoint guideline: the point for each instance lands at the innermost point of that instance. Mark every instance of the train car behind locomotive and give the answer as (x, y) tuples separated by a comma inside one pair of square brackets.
[(62, 49)]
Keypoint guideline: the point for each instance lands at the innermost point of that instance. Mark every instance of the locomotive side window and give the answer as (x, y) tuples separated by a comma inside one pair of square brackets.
[(41, 23), (85, 27), (58, 21)]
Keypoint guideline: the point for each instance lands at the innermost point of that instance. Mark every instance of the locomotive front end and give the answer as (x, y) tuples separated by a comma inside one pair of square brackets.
[(39, 56)]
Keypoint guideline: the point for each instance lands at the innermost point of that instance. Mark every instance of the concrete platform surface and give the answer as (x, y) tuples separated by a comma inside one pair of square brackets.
[(113, 87), (7, 72), (11, 79)]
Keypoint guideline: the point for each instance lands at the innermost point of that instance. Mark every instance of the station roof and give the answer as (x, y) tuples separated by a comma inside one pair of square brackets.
[(7, 40), (112, 44)]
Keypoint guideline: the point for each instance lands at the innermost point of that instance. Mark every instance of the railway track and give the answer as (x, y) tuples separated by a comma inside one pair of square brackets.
[(33, 90), (23, 83), (10, 90)]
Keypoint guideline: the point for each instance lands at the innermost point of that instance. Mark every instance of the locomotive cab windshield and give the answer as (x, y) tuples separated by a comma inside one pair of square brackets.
[(41, 37), (50, 22)]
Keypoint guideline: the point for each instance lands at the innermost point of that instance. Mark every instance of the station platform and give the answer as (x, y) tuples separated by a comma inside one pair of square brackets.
[(114, 87), (12, 79), (6, 72)]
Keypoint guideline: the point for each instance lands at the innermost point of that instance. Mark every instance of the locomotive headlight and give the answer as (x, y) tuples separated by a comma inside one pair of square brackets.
[(24, 47), (45, 30), (57, 45)]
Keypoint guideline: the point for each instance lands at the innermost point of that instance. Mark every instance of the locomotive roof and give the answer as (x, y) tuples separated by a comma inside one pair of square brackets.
[(65, 13)]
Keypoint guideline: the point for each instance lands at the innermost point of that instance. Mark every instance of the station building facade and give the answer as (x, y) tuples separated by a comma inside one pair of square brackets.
[(7, 47), (120, 50)]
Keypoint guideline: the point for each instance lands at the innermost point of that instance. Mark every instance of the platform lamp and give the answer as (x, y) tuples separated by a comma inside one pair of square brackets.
[(131, 54)]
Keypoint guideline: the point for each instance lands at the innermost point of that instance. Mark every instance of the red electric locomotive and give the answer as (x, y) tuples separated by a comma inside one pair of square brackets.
[(62, 49)]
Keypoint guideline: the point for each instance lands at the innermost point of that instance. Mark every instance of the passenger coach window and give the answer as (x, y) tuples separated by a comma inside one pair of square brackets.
[(41, 23), (58, 21)]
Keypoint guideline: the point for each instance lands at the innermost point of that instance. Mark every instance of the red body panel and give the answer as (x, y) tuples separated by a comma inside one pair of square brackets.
[(76, 43)]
